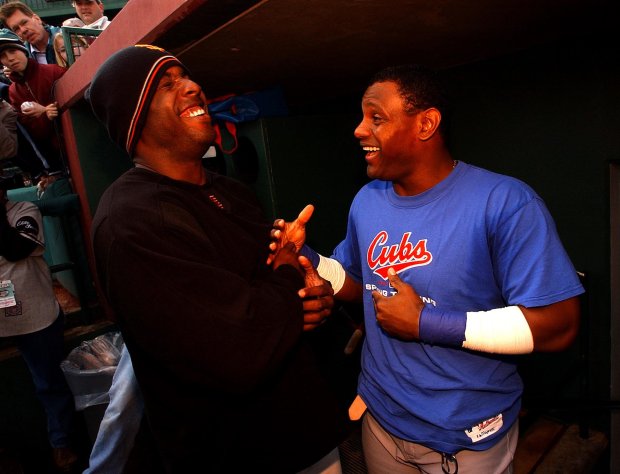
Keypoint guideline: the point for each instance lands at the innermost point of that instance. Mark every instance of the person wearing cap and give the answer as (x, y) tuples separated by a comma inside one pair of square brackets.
[(31, 95), (90, 12), (216, 336), (36, 35), (32, 318), (17, 145)]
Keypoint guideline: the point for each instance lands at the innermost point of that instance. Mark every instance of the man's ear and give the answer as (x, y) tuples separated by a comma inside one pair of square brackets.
[(429, 123)]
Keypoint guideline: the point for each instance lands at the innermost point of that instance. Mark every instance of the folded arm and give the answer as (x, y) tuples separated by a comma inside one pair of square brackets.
[(510, 330)]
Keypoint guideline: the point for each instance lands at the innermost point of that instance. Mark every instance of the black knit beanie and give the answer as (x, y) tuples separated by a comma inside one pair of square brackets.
[(123, 87)]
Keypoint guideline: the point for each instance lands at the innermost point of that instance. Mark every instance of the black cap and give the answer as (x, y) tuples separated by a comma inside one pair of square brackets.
[(123, 87)]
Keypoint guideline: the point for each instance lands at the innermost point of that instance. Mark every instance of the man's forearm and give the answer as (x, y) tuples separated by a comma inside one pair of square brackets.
[(345, 288)]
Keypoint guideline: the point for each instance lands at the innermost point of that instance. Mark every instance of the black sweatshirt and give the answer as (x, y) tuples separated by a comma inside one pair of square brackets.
[(215, 335)]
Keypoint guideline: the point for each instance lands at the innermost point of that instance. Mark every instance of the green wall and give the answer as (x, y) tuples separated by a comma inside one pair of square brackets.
[(307, 159), (101, 160)]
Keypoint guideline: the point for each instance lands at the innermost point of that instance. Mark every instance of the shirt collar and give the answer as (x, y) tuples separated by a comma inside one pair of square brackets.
[(39, 56)]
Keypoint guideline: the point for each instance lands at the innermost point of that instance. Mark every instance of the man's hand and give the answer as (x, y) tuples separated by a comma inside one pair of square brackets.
[(399, 315), (287, 256), (285, 232), (317, 296)]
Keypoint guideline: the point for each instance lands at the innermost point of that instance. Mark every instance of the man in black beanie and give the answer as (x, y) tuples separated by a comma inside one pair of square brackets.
[(215, 335)]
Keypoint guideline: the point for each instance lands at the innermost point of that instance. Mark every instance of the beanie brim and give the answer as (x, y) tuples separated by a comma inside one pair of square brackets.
[(11, 45)]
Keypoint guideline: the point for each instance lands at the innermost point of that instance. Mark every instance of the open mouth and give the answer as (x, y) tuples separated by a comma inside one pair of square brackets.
[(371, 151), (195, 111)]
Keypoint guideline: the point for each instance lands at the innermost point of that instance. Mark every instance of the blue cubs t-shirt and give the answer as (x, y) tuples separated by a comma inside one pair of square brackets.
[(475, 241)]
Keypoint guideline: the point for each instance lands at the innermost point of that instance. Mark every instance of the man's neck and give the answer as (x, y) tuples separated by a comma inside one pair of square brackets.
[(426, 173), (190, 172), (41, 45)]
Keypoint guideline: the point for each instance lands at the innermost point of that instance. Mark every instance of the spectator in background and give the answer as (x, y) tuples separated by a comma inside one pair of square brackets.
[(73, 23), (91, 14), (31, 316), (79, 44), (36, 35), (23, 153), (31, 95), (8, 130)]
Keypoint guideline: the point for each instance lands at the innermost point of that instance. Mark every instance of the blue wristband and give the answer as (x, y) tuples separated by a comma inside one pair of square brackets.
[(445, 328), (311, 255)]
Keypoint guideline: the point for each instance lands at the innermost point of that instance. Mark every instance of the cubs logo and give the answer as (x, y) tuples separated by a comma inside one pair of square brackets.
[(400, 257)]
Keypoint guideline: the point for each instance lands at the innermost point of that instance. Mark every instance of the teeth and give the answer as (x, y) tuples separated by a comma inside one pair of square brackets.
[(371, 148), (194, 112)]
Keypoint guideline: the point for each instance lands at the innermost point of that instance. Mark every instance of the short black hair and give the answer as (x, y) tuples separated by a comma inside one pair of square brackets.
[(421, 88)]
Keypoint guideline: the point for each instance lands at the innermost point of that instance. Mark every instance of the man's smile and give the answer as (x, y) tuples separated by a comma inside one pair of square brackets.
[(371, 151), (193, 111)]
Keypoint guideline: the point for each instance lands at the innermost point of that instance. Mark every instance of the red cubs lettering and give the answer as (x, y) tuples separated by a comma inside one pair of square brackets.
[(399, 257)]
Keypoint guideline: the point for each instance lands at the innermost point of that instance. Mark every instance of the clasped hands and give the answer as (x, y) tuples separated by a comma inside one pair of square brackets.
[(398, 315), (287, 238)]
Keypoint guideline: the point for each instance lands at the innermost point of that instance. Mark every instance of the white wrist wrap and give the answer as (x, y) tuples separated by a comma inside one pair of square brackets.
[(332, 271), (499, 331)]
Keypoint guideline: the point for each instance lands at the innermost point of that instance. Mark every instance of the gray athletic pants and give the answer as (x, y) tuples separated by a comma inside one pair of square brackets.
[(385, 453)]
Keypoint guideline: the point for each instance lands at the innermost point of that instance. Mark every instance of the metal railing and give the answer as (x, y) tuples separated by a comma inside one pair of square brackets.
[(67, 35)]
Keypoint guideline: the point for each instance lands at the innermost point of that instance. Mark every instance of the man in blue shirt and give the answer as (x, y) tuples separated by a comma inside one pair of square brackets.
[(459, 269)]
